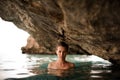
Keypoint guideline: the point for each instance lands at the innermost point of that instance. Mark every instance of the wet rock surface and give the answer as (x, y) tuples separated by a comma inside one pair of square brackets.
[(88, 26)]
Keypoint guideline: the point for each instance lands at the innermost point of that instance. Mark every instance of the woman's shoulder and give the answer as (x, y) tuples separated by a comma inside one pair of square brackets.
[(71, 64), (51, 64)]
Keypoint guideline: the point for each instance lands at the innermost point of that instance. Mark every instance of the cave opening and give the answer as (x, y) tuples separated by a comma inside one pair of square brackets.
[(11, 41), (12, 38), (11, 58)]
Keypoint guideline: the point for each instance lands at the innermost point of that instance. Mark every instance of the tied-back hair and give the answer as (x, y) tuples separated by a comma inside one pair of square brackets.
[(63, 44)]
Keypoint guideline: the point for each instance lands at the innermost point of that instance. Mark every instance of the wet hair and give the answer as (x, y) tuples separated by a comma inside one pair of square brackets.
[(63, 44)]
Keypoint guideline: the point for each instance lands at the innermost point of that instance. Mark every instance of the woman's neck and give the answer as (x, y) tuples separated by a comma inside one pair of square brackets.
[(61, 60)]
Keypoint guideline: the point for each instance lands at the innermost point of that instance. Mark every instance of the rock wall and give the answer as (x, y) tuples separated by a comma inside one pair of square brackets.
[(88, 26)]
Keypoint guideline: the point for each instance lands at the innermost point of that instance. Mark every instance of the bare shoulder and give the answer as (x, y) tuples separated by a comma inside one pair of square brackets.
[(50, 65), (71, 64)]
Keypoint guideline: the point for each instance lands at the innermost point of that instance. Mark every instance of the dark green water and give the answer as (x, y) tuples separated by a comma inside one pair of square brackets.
[(86, 68)]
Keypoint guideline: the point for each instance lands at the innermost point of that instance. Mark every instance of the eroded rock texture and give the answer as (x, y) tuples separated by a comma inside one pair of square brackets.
[(88, 26)]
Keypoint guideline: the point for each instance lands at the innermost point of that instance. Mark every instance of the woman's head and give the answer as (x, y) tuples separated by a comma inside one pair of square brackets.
[(63, 44), (61, 49)]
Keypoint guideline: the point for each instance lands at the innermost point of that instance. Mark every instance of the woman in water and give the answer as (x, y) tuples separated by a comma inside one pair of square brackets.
[(61, 63)]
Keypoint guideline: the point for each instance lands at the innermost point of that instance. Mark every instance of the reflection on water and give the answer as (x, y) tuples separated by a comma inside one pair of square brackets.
[(34, 67), (13, 66)]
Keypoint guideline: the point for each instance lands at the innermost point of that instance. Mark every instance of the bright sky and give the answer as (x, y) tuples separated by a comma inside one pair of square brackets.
[(11, 37)]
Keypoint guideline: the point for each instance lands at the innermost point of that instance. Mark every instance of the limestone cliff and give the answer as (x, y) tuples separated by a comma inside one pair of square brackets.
[(88, 26)]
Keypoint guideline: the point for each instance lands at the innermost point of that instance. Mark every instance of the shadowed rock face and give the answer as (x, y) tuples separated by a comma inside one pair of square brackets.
[(88, 26)]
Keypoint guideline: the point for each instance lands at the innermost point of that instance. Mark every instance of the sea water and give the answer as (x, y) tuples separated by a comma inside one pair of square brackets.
[(34, 67)]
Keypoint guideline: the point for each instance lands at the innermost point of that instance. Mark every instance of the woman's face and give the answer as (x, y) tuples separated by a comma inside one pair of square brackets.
[(61, 52)]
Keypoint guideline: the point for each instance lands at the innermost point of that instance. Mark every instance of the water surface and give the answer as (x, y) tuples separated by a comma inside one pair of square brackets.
[(34, 67)]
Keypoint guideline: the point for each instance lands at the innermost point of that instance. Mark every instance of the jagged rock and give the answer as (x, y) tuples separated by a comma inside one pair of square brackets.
[(88, 26), (32, 47)]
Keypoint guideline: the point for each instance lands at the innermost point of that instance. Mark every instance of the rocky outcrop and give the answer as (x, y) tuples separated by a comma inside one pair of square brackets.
[(32, 47), (88, 26)]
